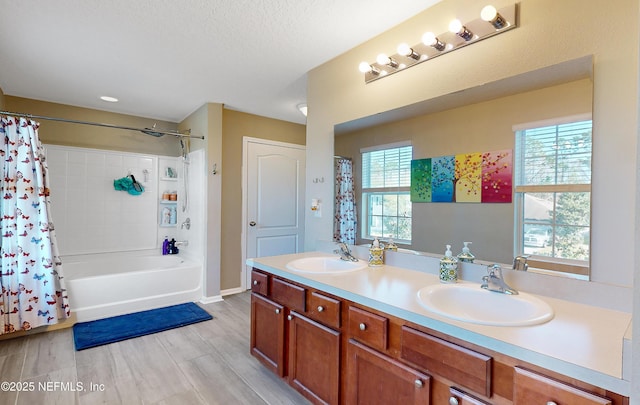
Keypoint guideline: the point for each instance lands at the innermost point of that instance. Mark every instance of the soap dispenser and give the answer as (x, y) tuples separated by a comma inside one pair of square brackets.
[(466, 255), (391, 246), (448, 267), (376, 253)]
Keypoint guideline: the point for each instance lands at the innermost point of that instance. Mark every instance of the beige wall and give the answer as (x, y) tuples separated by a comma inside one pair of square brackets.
[(87, 136), (480, 127), (237, 125), (1, 99)]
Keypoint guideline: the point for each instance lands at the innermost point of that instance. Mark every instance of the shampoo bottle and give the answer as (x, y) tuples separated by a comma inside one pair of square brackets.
[(376, 254), (448, 267), (165, 246), (466, 255)]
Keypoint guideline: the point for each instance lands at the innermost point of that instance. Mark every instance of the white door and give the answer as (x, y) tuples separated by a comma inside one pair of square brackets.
[(274, 199)]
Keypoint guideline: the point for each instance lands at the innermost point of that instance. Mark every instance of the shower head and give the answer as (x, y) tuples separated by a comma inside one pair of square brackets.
[(150, 131)]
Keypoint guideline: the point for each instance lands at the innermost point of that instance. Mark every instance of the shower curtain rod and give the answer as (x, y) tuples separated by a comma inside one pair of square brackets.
[(341, 157), (148, 131)]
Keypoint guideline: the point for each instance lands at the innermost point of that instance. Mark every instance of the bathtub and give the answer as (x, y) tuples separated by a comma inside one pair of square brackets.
[(110, 284)]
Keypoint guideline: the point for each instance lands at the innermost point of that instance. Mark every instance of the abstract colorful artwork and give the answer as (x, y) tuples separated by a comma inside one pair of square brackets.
[(442, 178), (497, 176), (421, 180), (469, 177)]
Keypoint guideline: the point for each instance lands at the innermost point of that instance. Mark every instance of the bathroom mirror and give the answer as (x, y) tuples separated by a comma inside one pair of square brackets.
[(479, 119)]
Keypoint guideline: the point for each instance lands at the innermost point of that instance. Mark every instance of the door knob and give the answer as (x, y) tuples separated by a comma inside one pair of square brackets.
[(252, 223)]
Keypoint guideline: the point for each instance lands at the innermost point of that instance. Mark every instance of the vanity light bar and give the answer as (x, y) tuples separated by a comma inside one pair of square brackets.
[(491, 23)]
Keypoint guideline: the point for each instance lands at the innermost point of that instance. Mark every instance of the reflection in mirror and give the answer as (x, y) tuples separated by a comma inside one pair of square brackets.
[(485, 119)]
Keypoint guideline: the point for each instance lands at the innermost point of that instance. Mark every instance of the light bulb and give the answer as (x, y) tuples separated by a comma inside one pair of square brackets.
[(383, 59), (455, 26), (460, 30), (404, 49), (491, 15), (364, 67), (488, 13), (429, 38)]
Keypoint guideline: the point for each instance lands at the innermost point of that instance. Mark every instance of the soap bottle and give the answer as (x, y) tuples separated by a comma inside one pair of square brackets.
[(376, 253), (391, 246), (448, 267), (466, 255), (172, 246), (165, 246)]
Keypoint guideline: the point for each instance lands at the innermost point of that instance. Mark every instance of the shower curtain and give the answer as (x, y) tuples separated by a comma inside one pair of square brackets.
[(344, 222), (33, 292)]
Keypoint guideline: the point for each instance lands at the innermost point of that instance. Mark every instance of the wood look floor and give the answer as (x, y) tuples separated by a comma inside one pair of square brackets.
[(203, 363)]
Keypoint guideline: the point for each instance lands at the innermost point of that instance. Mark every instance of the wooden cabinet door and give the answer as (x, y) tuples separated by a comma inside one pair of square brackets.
[(374, 378), (267, 333), (314, 360)]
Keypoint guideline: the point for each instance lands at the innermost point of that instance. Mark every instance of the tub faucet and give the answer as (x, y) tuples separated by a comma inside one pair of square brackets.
[(186, 224), (495, 282), (520, 263), (345, 253), (182, 243)]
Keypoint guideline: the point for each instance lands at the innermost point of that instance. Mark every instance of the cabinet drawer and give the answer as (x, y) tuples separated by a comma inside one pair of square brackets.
[(324, 309), (259, 283), (532, 388), (462, 398), (288, 294), (368, 328), (464, 367)]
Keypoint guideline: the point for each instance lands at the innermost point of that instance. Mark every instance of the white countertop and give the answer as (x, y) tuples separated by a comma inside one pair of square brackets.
[(581, 341)]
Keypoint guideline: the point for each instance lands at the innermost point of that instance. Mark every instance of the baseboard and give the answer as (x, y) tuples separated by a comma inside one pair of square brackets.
[(209, 300), (231, 291)]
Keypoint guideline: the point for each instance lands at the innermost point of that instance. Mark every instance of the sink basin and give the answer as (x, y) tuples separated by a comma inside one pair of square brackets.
[(470, 303), (325, 265)]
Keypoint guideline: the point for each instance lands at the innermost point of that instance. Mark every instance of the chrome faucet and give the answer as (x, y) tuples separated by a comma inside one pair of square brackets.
[(520, 263), (495, 282), (345, 253)]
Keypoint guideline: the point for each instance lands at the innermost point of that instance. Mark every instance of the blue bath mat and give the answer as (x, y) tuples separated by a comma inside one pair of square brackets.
[(123, 327)]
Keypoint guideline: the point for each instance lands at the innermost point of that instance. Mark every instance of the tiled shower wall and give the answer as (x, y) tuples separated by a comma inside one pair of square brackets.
[(89, 215)]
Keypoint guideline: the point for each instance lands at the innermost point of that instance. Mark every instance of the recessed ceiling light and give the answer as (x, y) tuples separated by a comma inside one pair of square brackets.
[(109, 99)]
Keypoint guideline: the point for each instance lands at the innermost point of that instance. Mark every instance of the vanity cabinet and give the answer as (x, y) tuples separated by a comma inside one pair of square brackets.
[(292, 345), (335, 351)]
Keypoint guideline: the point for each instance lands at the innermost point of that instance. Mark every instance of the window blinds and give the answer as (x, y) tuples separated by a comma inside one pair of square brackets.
[(554, 155), (388, 168)]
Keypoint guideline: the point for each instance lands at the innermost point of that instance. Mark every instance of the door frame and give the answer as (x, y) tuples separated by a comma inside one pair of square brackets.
[(246, 140)]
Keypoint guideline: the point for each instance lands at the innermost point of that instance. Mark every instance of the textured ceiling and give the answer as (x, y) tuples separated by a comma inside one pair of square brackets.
[(165, 58)]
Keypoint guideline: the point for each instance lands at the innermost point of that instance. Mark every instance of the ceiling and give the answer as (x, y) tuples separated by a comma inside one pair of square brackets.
[(163, 59)]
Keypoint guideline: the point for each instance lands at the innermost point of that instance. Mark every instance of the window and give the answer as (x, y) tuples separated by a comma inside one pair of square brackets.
[(553, 193), (386, 182)]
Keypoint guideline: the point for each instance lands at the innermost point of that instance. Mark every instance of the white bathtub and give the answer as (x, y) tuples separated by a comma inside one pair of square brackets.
[(110, 284)]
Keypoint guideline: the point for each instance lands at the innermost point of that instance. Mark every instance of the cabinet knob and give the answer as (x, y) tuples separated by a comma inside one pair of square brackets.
[(418, 382), (255, 282), (363, 326), (453, 401), (277, 310), (320, 309), (289, 317)]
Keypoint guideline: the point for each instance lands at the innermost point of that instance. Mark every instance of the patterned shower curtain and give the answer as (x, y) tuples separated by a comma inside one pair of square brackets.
[(33, 292), (344, 223)]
